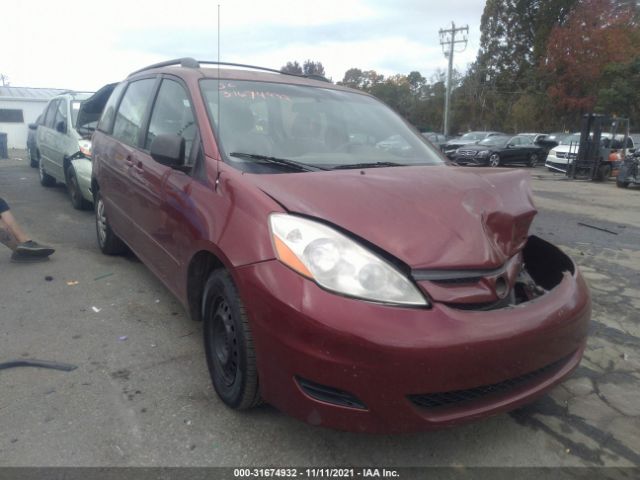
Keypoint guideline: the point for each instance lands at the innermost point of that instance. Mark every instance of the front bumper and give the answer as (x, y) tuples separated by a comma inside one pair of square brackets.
[(471, 160), (386, 356), (83, 167)]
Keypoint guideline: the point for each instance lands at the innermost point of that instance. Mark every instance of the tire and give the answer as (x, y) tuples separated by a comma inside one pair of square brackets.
[(109, 242), (603, 173), (46, 180), (533, 160), (75, 194), (228, 343), (620, 184), (494, 160), (33, 159)]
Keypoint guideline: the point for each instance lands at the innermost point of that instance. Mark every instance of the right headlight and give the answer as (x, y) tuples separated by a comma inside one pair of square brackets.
[(338, 263)]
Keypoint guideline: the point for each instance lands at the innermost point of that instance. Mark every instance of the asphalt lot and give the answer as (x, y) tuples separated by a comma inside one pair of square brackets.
[(141, 394)]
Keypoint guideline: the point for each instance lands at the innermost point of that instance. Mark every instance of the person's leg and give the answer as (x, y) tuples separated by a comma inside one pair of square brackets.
[(9, 223), (6, 237), (14, 237)]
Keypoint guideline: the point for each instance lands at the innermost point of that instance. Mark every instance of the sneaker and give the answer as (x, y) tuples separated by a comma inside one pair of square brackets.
[(17, 257), (34, 249)]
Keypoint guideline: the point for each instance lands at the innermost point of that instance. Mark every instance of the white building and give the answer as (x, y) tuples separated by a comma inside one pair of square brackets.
[(20, 106)]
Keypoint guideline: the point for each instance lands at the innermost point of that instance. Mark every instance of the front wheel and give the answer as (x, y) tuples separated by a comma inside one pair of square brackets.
[(621, 184), (228, 343), (109, 242), (533, 160), (75, 194), (494, 160)]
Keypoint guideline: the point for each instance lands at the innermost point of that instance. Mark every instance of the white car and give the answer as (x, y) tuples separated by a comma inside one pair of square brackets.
[(561, 155)]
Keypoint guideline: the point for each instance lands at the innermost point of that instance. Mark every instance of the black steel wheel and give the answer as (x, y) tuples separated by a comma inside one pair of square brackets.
[(109, 242), (228, 343), (77, 200)]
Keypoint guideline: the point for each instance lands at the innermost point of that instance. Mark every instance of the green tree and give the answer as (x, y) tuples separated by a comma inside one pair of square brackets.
[(313, 68), (292, 67)]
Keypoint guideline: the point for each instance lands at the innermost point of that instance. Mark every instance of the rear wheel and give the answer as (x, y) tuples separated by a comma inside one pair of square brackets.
[(33, 158), (46, 180), (533, 160), (494, 160), (603, 173), (75, 194), (621, 184), (109, 242), (228, 343)]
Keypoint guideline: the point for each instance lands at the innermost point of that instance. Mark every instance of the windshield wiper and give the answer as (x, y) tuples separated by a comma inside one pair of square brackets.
[(303, 167), (368, 165)]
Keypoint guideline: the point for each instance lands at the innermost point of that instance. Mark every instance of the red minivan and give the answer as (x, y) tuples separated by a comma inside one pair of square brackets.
[(344, 271)]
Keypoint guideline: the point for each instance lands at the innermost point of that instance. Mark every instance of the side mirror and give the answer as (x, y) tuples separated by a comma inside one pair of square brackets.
[(631, 150), (61, 126), (168, 149), (33, 126), (510, 145)]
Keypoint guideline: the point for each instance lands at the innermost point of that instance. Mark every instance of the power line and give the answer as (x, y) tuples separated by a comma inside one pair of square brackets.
[(448, 42)]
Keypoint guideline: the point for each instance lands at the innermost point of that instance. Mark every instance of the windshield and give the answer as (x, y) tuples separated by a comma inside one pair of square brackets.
[(473, 136), (571, 139), (320, 127), (494, 141)]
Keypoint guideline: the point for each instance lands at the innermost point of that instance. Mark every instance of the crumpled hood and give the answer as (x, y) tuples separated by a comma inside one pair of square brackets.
[(431, 217)]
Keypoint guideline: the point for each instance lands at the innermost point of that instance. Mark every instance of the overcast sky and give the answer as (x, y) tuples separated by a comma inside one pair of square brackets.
[(85, 44)]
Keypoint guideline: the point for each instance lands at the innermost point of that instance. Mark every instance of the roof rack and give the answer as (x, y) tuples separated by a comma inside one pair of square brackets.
[(71, 92), (189, 62)]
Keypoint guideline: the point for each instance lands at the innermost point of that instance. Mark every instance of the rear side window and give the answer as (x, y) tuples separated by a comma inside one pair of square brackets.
[(51, 114), (172, 114), (109, 113), (133, 106)]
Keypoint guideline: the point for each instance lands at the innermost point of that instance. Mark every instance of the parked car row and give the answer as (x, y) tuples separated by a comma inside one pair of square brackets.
[(345, 273)]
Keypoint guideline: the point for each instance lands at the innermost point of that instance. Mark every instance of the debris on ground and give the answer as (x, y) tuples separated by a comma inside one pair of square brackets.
[(72, 283), (105, 275), (65, 367), (48, 278), (96, 309), (122, 338), (597, 228)]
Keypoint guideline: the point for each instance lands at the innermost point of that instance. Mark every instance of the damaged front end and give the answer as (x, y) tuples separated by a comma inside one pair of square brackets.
[(528, 275)]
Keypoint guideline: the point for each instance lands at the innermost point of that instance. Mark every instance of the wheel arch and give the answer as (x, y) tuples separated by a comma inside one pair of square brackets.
[(200, 267)]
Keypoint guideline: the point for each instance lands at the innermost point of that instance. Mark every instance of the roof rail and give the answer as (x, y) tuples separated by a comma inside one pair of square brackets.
[(71, 92), (242, 65), (189, 62), (183, 62)]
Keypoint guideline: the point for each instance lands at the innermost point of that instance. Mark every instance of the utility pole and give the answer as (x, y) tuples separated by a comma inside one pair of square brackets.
[(448, 42)]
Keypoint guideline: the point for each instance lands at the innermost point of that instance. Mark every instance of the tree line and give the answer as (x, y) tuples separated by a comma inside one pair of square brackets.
[(541, 65)]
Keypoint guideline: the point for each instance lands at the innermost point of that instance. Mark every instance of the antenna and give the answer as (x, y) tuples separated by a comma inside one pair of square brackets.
[(219, 106)]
